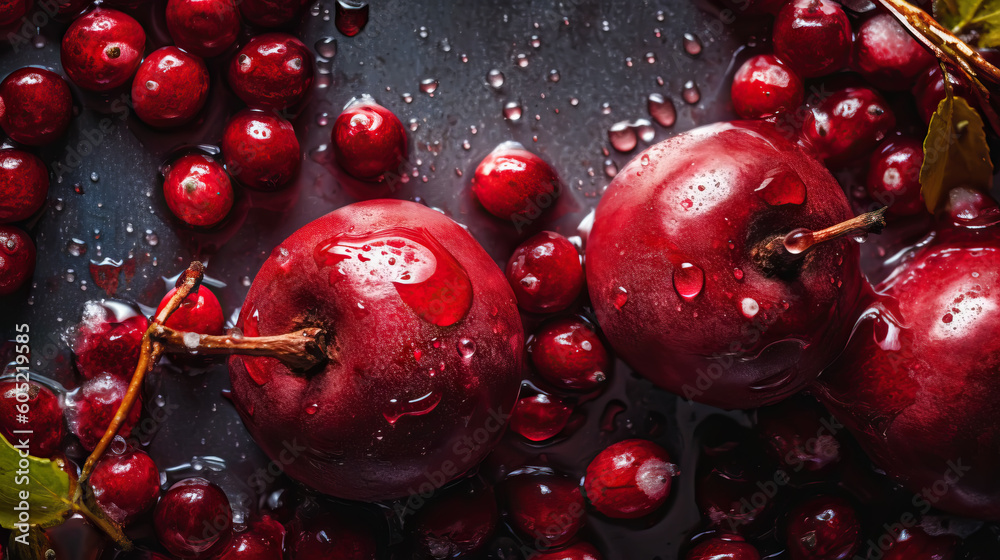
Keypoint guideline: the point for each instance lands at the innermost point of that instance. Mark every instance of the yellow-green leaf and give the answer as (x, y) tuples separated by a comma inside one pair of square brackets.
[(976, 20), (33, 491), (955, 153)]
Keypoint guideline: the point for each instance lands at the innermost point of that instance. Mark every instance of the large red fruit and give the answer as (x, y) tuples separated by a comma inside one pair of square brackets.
[(676, 278), (425, 348)]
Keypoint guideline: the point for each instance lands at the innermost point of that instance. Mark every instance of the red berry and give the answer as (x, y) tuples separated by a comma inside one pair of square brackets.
[(95, 406), (813, 37), (45, 419), (200, 312), (578, 551), (331, 537), (629, 479), (198, 191), (194, 520), (170, 88), (17, 259), (125, 485), (273, 70), (24, 183), (894, 175), (765, 86), (260, 150), (847, 125), (547, 508), (512, 183), (545, 273), (886, 55), (263, 541), (723, 547), (798, 436), (458, 523), (35, 106), (929, 90), (368, 140), (568, 354), (102, 49), (270, 13), (105, 346), (823, 528), (540, 417), (915, 544), (11, 11), (203, 27)]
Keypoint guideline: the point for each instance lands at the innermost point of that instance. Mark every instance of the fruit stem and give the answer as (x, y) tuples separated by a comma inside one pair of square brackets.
[(108, 527), (781, 252), (299, 350)]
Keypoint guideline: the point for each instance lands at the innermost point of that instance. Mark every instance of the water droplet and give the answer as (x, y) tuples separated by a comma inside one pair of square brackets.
[(644, 129), (39, 41), (466, 145), (861, 238), (692, 44), (689, 280), (621, 298), (414, 124), (398, 408), (76, 247), (948, 318), (660, 16), (574, 101), (605, 108), (553, 75), (246, 281), (610, 168), (422, 32), (445, 45), (351, 16), (495, 78), (628, 61), (738, 274), (428, 85), (644, 160), (750, 307), (622, 137), (94, 177), (651, 58), (521, 60), (782, 186), (662, 110), (326, 47), (151, 238), (312, 408), (466, 347), (407, 98), (691, 93), (512, 111), (535, 42)]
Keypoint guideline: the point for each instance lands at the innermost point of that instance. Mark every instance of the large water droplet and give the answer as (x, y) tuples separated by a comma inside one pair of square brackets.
[(662, 110), (621, 298), (326, 47), (610, 168), (512, 111), (398, 408), (466, 347), (495, 78), (689, 280), (622, 136), (798, 240), (749, 307), (782, 186), (692, 44), (428, 85), (351, 16), (691, 93)]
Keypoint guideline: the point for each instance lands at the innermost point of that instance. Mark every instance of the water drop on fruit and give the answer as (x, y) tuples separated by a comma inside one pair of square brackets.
[(798, 240), (419, 406), (689, 280), (466, 347), (661, 109), (782, 186), (750, 307), (312, 408), (621, 298)]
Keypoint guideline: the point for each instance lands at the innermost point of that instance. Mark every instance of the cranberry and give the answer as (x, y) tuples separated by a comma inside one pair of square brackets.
[(261, 150), (513, 183), (801, 437), (11, 11), (915, 544), (170, 88), (17, 259), (198, 191), (368, 140), (273, 70), (545, 273), (270, 13), (458, 523), (887, 56), (813, 37), (629, 479), (929, 90), (578, 551), (24, 184), (105, 346), (125, 485), (894, 175), (847, 125), (766, 86), (823, 528), (44, 417), (96, 405), (203, 27), (35, 106), (193, 519), (263, 541), (540, 417), (102, 49), (329, 536), (723, 547), (547, 508), (200, 312), (567, 353)]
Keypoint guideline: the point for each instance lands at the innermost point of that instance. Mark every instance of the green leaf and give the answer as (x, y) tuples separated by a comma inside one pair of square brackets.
[(39, 484), (977, 19), (955, 153)]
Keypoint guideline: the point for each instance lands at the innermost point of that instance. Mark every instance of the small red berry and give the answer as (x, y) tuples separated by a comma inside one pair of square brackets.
[(457, 524), (915, 544), (35, 106), (95, 406), (11, 11), (260, 150), (45, 419), (766, 86), (203, 27), (200, 312), (567, 353), (545, 273), (886, 55), (813, 37), (894, 175), (24, 183), (270, 13), (578, 551), (17, 259), (170, 87), (847, 125), (102, 49), (273, 70), (125, 485), (194, 520), (723, 547), (263, 541), (103, 345), (545, 507), (368, 140), (629, 479), (329, 536), (512, 183), (823, 528), (198, 191), (929, 90), (539, 417)]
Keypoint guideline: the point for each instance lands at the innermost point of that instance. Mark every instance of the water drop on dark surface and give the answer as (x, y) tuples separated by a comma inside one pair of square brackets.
[(691, 93), (692, 44), (326, 47), (662, 110)]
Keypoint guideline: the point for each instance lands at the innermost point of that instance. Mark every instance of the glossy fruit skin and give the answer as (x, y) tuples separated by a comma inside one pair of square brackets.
[(567, 353), (17, 259), (823, 528), (105, 346), (629, 479), (916, 385), (203, 27), (929, 90), (813, 37), (273, 71), (915, 544), (45, 418), (329, 535), (260, 150), (263, 541), (540, 417), (548, 509), (200, 312), (125, 485), (847, 125), (802, 439), (578, 551), (545, 273), (458, 523), (723, 547), (513, 184), (193, 519), (763, 86), (894, 175), (887, 55), (198, 191), (397, 333), (270, 13), (36, 106), (95, 406), (102, 49), (11, 11), (24, 184), (368, 140), (170, 87), (653, 221)]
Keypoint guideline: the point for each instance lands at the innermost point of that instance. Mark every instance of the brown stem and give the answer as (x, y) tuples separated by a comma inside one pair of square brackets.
[(780, 252), (299, 350), (108, 527)]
